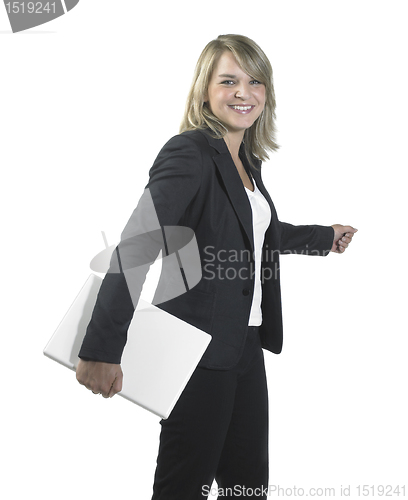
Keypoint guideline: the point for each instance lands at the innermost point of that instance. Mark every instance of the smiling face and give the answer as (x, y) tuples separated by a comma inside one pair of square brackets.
[(233, 96)]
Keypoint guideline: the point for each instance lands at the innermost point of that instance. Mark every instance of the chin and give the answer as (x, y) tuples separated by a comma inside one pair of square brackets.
[(242, 126)]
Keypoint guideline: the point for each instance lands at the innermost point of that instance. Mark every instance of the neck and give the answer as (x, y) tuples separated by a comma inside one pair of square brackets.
[(233, 141)]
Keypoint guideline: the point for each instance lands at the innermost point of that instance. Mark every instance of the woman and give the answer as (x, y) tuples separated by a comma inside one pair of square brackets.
[(208, 178)]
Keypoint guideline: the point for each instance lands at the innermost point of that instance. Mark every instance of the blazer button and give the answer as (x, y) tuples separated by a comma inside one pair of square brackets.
[(245, 291)]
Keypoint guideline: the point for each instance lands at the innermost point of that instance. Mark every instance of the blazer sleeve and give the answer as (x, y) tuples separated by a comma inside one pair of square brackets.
[(174, 180), (305, 240)]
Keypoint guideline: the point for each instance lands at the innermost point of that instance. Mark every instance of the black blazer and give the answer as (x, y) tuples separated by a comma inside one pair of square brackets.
[(194, 183)]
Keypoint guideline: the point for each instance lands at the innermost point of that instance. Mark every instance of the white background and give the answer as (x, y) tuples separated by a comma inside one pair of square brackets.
[(87, 101)]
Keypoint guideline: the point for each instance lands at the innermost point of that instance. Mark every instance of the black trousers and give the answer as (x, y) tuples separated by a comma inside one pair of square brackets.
[(218, 430)]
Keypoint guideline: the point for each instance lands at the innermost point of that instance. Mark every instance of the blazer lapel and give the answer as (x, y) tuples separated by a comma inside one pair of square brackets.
[(233, 184)]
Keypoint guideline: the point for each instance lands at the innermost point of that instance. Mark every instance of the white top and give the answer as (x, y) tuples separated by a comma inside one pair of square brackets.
[(261, 217)]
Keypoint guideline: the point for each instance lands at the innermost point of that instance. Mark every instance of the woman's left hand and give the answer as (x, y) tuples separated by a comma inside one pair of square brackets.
[(342, 237)]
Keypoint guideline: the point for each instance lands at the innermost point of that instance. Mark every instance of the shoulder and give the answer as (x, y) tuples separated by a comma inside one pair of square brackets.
[(181, 153), (192, 138), (187, 146)]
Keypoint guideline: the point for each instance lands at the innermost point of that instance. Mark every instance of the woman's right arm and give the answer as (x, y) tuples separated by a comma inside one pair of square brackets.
[(174, 180)]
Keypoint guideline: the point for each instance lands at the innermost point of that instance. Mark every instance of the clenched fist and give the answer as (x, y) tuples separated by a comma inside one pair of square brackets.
[(342, 237)]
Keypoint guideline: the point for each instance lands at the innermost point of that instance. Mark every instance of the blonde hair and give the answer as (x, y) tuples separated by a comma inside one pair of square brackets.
[(260, 137)]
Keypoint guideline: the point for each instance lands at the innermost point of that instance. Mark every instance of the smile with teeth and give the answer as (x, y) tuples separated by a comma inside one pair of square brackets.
[(242, 108)]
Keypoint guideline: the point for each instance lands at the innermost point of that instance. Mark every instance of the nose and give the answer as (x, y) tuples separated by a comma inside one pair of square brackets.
[(243, 92)]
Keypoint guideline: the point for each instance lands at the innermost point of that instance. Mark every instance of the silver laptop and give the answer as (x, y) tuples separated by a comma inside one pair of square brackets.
[(159, 358)]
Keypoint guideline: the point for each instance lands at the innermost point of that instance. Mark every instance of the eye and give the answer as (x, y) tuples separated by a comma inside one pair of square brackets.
[(256, 82), (227, 82)]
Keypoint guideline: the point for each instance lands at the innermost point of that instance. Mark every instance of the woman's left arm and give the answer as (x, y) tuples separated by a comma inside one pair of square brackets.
[(314, 239)]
